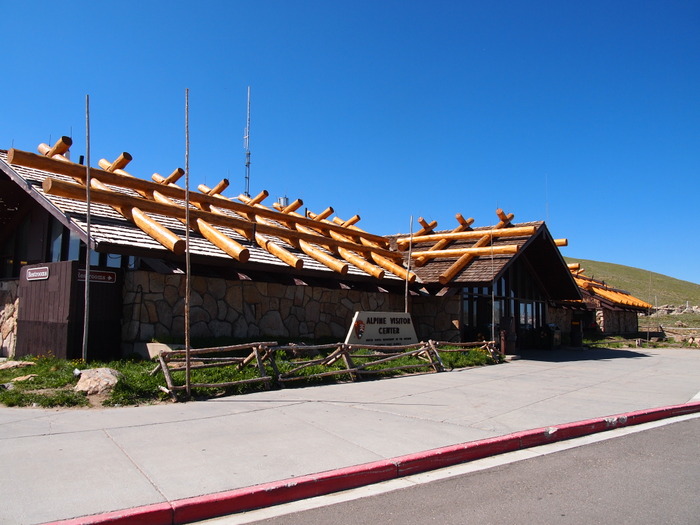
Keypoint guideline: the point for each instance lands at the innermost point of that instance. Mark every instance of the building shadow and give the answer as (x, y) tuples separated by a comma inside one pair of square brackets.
[(563, 355)]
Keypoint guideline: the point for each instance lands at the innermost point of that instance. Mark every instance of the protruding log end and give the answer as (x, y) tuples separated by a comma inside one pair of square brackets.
[(258, 198), (220, 187), (174, 176), (178, 247), (244, 255), (293, 206), (561, 242), (59, 148)]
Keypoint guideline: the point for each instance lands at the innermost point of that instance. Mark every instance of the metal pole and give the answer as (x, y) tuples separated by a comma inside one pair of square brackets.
[(408, 264), (86, 315), (246, 143), (187, 241)]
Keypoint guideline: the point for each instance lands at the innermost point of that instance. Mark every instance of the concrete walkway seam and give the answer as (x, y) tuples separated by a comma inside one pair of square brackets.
[(200, 508)]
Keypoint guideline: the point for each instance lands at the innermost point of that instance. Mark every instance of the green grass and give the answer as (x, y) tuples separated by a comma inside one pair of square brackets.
[(654, 288), (54, 381), (669, 321)]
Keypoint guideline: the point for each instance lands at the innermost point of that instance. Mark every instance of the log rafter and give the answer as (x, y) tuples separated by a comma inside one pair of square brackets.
[(77, 172)]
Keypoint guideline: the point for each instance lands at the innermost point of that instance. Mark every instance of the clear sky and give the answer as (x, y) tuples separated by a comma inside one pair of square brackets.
[(583, 114)]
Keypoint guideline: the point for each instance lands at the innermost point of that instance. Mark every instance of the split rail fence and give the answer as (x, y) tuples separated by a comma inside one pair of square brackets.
[(301, 362)]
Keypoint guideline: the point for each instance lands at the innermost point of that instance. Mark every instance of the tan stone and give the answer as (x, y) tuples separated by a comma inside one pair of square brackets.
[(8, 327), (199, 284), (157, 283), (140, 281), (97, 380), (271, 324), (171, 294), (209, 304), (155, 349), (20, 379), (251, 294), (275, 290), (217, 288), (15, 364)]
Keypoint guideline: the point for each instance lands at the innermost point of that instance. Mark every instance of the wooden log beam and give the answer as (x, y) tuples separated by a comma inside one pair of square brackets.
[(62, 145), (77, 171), (465, 259), (518, 231), (464, 225), (175, 176), (120, 162), (561, 242), (219, 188), (260, 239), (304, 244), (346, 254), (225, 243), (147, 224), (476, 252), (384, 262), (426, 227)]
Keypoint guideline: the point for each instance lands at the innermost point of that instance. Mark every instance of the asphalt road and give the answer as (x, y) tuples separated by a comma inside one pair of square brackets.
[(651, 476)]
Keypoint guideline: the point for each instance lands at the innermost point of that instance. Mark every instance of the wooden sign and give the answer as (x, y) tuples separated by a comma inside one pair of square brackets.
[(381, 328), (98, 276), (37, 274)]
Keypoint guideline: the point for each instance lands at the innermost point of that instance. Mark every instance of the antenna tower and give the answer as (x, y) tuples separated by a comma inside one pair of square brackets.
[(246, 145)]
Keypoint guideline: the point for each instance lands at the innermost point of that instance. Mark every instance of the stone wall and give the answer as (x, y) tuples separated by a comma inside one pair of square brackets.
[(154, 307), (9, 306), (436, 318), (614, 322)]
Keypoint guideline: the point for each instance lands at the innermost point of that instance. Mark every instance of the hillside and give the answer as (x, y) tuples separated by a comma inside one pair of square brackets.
[(654, 288)]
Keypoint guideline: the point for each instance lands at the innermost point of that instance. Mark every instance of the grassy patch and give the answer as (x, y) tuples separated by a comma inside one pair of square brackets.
[(54, 380)]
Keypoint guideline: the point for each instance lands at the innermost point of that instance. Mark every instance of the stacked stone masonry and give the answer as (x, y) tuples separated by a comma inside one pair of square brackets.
[(9, 306), (154, 309)]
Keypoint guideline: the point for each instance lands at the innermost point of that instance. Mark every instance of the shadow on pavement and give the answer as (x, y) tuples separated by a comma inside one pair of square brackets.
[(564, 355)]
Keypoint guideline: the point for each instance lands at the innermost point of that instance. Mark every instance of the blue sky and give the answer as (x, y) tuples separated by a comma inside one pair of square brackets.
[(583, 114)]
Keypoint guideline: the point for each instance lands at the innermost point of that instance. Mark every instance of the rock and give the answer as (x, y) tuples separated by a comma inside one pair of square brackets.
[(28, 377), (15, 364), (97, 380)]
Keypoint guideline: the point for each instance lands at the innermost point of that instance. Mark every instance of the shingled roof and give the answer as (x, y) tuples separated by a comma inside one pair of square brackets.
[(604, 295), (255, 236), (479, 256), (133, 216)]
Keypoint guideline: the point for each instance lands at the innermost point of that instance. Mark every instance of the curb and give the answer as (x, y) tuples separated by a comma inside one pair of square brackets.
[(277, 492)]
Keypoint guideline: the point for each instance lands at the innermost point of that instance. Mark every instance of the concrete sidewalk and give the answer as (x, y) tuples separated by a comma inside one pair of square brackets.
[(61, 464)]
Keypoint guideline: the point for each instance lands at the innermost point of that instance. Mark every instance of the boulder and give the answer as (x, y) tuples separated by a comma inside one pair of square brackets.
[(15, 364), (97, 380)]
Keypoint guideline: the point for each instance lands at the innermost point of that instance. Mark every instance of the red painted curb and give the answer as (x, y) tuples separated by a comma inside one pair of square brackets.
[(275, 493), (156, 514), (293, 489)]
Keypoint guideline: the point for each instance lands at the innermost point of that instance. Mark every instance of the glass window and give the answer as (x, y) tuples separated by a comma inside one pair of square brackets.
[(55, 240)]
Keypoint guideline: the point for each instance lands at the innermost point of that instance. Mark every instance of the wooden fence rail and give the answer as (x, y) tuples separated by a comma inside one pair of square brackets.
[(357, 361)]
